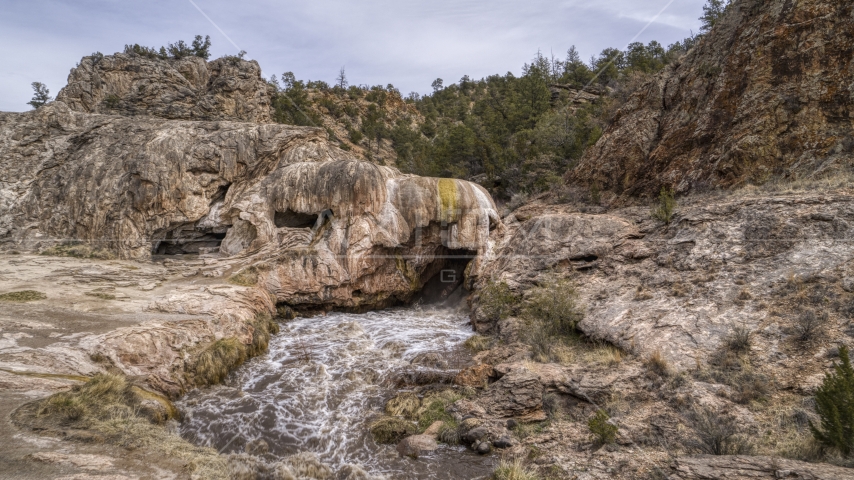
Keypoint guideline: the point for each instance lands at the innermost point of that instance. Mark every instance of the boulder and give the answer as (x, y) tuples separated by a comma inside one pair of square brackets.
[(416, 445), (518, 394)]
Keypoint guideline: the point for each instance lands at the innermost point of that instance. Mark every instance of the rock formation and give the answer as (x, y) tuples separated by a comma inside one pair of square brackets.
[(766, 94), (328, 230), (189, 88)]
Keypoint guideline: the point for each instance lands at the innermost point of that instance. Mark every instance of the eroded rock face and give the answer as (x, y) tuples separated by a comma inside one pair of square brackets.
[(681, 289), (323, 229), (767, 93), (186, 89)]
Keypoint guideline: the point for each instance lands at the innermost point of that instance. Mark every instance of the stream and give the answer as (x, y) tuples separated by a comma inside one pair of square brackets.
[(321, 384)]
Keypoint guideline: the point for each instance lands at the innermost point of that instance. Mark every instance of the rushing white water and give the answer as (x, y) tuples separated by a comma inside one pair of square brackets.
[(320, 385)]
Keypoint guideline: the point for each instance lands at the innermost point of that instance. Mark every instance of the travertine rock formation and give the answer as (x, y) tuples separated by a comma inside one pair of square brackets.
[(767, 93), (190, 88), (325, 230)]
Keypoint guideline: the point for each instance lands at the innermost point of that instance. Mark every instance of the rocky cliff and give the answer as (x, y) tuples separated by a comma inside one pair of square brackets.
[(333, 230), (766, 94), (189, 88)]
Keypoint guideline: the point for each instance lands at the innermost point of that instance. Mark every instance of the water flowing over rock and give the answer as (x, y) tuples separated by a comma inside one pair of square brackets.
[(188, 88), (767, 93)]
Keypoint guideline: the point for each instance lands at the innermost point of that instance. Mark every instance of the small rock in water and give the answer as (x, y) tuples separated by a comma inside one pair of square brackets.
[(416, 445), (430, 359), (257, 447)]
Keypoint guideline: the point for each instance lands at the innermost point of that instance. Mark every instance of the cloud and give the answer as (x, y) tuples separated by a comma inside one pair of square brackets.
[(403, 42)]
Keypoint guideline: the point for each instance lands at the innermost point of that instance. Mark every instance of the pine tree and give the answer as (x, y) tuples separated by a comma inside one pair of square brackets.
[(41, 95), (834, 402), (713, 10)]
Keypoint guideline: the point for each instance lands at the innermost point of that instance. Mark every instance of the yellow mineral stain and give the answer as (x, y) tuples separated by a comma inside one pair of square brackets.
[(447, 200)]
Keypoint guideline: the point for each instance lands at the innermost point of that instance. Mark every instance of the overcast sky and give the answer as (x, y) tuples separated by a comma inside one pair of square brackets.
[(403, 42)]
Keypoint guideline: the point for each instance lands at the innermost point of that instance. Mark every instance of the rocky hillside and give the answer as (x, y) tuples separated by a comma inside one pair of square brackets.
[(188, 88), (766, 94)]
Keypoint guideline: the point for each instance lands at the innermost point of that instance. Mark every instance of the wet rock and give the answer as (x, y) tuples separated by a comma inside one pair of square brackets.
[(257, 447), (431, 360), (517, 394), (352, 472), (434, 428), (416, 445)]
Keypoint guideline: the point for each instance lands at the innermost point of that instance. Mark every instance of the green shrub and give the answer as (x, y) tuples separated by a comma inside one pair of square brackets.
[(554, 304), (834, 403), (666, 205), (112, 101), (552, 315), (738, 341), (602, 429), (496, 301)]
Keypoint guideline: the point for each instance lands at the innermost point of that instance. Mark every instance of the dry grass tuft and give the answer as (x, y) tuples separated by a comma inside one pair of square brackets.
[(515, 470), (216, 361), (224, 355), (22, 296), (110, 406), (657, 364), (478, 343), (717, 434), (404, 405)]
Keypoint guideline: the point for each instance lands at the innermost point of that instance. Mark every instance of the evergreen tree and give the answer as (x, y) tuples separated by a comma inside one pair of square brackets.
[(202, 48), (834, 402), (41, 95), (713, 10)]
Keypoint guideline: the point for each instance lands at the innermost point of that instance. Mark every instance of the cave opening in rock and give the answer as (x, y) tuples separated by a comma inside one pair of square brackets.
[(292, 219), (187, 239), (445, 277)]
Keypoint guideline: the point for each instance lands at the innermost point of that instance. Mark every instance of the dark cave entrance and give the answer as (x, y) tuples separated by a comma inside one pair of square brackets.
[(187, 239), (445, 277), (292, 219)]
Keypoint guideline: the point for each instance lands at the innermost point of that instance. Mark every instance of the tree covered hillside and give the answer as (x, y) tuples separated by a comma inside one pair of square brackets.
[(514, 134)]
